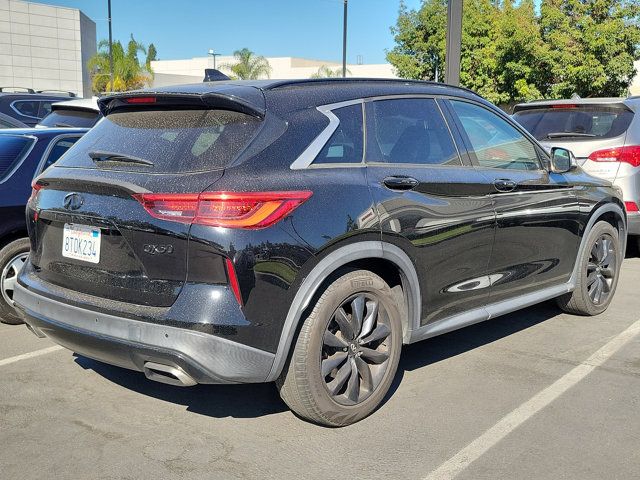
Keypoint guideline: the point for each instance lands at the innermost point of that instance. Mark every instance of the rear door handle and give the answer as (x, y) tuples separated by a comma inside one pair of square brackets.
[(400, 183), (504, 185)]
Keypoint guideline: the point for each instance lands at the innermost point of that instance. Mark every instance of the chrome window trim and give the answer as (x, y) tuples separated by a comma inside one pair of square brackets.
[(47, 152), (12, 105), (19, 162)]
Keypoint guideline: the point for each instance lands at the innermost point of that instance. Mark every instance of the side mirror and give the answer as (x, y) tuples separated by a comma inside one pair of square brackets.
[(562, 160)]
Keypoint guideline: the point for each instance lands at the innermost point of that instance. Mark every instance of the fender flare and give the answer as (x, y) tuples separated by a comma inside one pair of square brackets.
[(328, 265)]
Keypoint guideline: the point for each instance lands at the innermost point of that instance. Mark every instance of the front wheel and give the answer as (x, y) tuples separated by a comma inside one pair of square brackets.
[(347, 352), (598, 272), (12, 258)]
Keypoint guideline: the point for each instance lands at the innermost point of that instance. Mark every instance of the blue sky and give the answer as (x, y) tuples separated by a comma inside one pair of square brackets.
[(302, 28)]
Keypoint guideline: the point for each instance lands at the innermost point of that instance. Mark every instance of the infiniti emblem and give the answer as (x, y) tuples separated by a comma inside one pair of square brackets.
[(73, 201)]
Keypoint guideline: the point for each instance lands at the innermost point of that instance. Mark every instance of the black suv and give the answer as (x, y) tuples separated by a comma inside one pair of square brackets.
[(29, 107), (302, 231)]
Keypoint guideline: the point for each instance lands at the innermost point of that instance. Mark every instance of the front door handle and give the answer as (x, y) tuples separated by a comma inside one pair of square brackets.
[(400, 183), (504, 185)]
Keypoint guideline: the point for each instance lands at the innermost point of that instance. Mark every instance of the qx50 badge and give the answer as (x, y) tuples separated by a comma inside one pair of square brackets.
[(73, 201), (157, 249)]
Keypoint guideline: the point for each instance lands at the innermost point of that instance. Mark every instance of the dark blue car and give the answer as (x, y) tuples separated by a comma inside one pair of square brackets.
[(24, 154)]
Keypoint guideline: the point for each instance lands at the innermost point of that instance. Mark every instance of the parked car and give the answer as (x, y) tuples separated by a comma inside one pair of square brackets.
[(604, 134), (302, 231), (83, 113), (24, 153), (29, 107), (9, 122)]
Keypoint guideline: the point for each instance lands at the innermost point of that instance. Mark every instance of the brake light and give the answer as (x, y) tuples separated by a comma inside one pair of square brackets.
[(35, 188), (140, 100), (564, 105), (233, 280), (631, 206), (251, 210), (630, 155)]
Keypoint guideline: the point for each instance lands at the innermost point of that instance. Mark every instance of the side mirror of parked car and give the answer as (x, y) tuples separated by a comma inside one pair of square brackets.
[(562, 160)]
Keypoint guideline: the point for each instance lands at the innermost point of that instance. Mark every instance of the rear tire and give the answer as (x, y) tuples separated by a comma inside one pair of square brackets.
[(12, 256), (347, 352), (598, 273)]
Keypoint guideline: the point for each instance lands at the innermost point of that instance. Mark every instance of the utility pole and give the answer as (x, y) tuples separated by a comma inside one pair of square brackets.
[(110, 45), (454, 41), (214, 55), (344, 40)]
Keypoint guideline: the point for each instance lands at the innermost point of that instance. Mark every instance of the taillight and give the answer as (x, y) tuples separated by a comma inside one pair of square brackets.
[(631, 206), (251, 210), (140, 100), (630, 155), (35, 188)]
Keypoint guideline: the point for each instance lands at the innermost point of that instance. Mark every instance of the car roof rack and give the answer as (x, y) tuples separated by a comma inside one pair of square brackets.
[(70, 94), (13, 90)]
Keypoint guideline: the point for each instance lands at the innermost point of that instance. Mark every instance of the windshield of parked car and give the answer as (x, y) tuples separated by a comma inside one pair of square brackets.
[(70, 118), (575, 121)]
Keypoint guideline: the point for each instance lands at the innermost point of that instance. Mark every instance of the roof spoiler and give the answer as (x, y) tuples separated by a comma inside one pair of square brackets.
[(214, 75), (169, 100)]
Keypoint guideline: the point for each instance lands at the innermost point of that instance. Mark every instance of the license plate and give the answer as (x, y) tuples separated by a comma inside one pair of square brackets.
[(81, 243)]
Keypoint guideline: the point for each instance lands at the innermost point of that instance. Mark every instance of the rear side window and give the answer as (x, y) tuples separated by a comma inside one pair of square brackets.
[(494, 141), (583, 121), (59, 149), (346, 143), (28, 108), (70, 118), (174, 141), (12, 151), (410, 131)]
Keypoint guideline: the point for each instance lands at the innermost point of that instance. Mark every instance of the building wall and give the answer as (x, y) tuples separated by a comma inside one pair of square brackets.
[(281, 67), (45, 47)]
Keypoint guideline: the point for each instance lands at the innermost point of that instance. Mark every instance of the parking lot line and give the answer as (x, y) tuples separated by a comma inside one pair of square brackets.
[(26, 356), (461, 460)]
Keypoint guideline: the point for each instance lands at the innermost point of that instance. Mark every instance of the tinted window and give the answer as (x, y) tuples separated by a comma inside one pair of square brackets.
[(594, 121), (174, 141), (27, 107), (45, 108), (345, 145), (12, 150), (59, 149), (495, 143), (70, 118), (409, 131)]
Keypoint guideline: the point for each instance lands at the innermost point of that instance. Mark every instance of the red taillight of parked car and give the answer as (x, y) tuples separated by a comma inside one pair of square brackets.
[(630, 155), (249, 210), (35, 188), (631, 206)]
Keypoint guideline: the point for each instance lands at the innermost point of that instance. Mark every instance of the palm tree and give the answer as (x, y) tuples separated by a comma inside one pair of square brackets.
[(326, 72), (128, 72), (249, 66)]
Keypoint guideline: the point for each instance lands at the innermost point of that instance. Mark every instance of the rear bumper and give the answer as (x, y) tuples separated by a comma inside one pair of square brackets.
[(633, 223), (133, 344)]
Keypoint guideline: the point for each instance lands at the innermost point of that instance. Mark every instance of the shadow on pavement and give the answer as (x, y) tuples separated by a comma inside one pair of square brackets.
[(255, 400)]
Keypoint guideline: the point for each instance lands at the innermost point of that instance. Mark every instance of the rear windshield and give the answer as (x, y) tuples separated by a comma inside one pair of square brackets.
[(12, 150), (584, 121), (168, 141), (70, 118)]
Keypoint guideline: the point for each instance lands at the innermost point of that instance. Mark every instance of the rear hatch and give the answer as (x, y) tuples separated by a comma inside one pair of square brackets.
[(589, 130), (89, 232)]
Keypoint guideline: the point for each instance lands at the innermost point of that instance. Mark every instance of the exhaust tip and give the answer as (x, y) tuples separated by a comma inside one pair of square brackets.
[(169, 374)]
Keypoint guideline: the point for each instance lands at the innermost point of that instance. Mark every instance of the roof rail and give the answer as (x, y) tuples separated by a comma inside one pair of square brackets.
[(70, 94), (13, 89)]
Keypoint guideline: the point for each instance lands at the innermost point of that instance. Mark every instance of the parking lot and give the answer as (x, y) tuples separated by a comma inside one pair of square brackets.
[(530, 395)]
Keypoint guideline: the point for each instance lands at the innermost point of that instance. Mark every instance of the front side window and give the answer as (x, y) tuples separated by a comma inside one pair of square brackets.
[(409, 131), (346, 144), (495, 143), (59, 149)]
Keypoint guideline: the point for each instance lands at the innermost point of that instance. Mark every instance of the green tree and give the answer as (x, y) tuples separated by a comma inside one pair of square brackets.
[(128, 72), (326, 72), (248, 65), (152, 55)]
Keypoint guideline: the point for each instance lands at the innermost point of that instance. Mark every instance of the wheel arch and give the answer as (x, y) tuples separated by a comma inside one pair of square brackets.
[(370, 255)]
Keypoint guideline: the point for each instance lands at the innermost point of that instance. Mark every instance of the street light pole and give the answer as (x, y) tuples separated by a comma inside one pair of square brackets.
[(110, 45), (454, 41), (214, 55), (344, 40)]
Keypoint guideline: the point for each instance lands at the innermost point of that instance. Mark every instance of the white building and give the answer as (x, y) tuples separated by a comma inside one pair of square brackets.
[(45, 48), (169, 72)]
